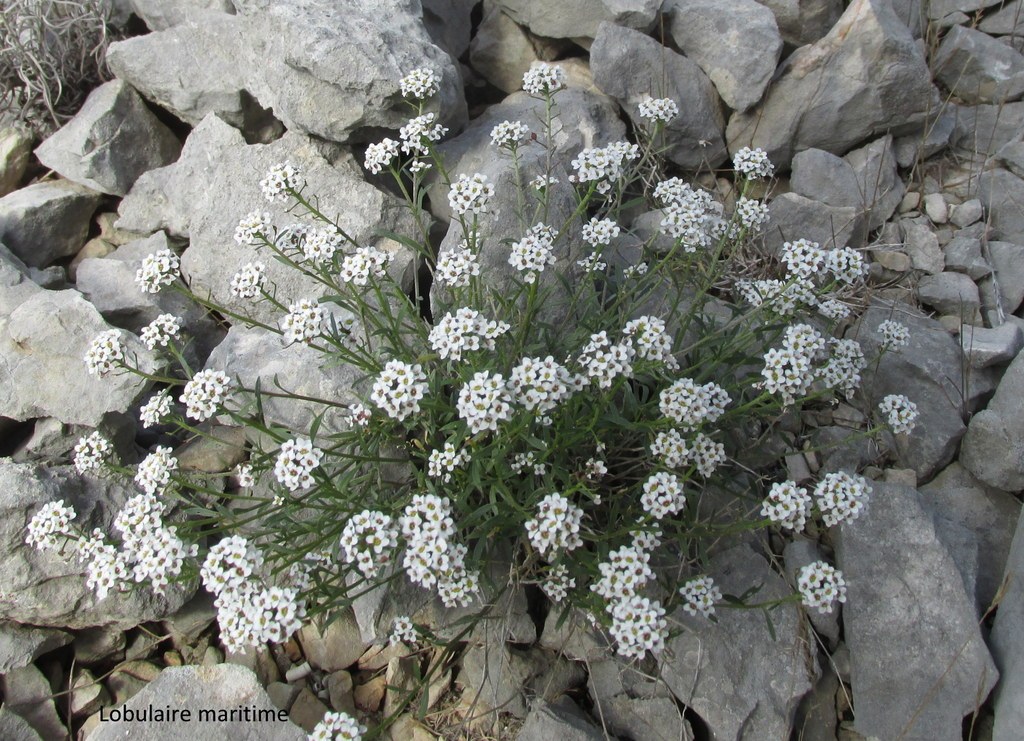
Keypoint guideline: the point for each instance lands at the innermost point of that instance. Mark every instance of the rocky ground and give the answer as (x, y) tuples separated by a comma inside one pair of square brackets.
[(898, 128)]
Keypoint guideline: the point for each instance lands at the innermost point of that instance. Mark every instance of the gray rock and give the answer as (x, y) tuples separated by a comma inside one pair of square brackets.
[(815, 102), (928, 371), (20, 645), (1008, 261), (46, 221), (48, 588), (159, 15), (935, 208), (804, 21), (580, 19), (922, 245), (494, 677), (1012, 157), (993, 448), (630, 67), (797, 554), (629, 704), (27, 693), (919, 663), (985, 347), (932, 139), (501, 50), (1007, 20), (977, 68), (15, 728), (218, 688), (989, 514), (15, 153), (733, 673), (112, 140), (88, 695), (42, 345), (323, 71), (1007, 643), (963, 255), (966, 213), (737, 45), (1001, 193), (450, 24), (817, 719), (99, 645), (792, 217), (822, 176), (986, 128), (878, 181), (574, 636), (951, 293), (945, 10), (335, 646), (557, 720)]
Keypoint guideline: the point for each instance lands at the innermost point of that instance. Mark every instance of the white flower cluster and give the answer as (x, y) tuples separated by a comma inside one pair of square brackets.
[(154, 474), (442, 463), (900, 412), (690, 214), (470, 193), (160, 331), (158, 270), (543, 182), (821, 585), (152, 550), (420, 84), (154, 411), (542, 79), (753, 163), (416, 134), (432, 559), (691, 405), (251, 226), (368, 540), (783, 297), (50, 526), (603, 362), (229, 564), (248, 282), (540, 385), (634, 271), (845, 264), (753, 214), (894, 334), (663, 495), (651, 340), (464, 330), (104, 352), (604, 165), (658, 109), (788, 505), (805, 259), (484, 401), (304, 322), (534, 252), (295, 463), (841, 497), (638, 626), (834, 309), (842, 371), (380, 155), (281, 178), (337, 726), (523, 461), (592, 263), (359, 415), (402, 631), (508, 134), (90, 451), (292, 237), (557, 583), (457, 266), (706, 454), (788, 370), (600, 231), (202, 395), (671, 447), (320, 244), (245, 475), (399, 389), (363, 263), (625, 572), (556, 526), (700, 596), (594, 469)]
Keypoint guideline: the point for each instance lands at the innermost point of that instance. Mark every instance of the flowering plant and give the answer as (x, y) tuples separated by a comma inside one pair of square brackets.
[(568, 402)]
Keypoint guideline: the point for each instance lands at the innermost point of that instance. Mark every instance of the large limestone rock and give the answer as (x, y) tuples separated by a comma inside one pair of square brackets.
[(631, 67), (1008, 645), (580, 19), (993, 448), (1002, 193), (918, 661), (113, 139), (325, 70), (503, 51), (804, 21), (48, 587), (736, 44), (160, 14), (866, 77), (977, 68), (46, 221)]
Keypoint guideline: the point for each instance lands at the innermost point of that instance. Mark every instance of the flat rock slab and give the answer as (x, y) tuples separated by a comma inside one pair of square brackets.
[(993, 448), (1008, 645)]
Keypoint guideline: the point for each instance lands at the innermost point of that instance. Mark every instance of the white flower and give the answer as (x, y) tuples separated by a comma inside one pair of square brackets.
[(303, 322), (229, 564), (248, 281), (803, 258), (154, 474), (160, 331), (470, 193), (542, 79), (557, 583), (295, 463), (508, 134), (700, 596), (540, 385), (402, 631), (420, 84), (368, 540), (638, 626), (279, 180), (900, 412), (843, 369), (663, 495), (49, 527), (671, 447), (156, 409), (202, 395), (251, 226), (337, 727), (90, 452), (788, 505), (894, 334), (846, 264), (245, 476), (456, 267), (592, 263), (841, 497), (753, 163), (363, 263), (752, 213), (706, 454), (603, 362), (104, 352), (381, 155), (691, 405), (484, 402), (600, 231), (320, 244), (658, 109), (158, 270), (543, 182), (359, 415), (534, 252), (399, 389), (556, 527), (821, 585), (442, 463), (594, 469), (464, 330), (651, 340), (689, 215), (604, 165), (418, 132), (833, 309)]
